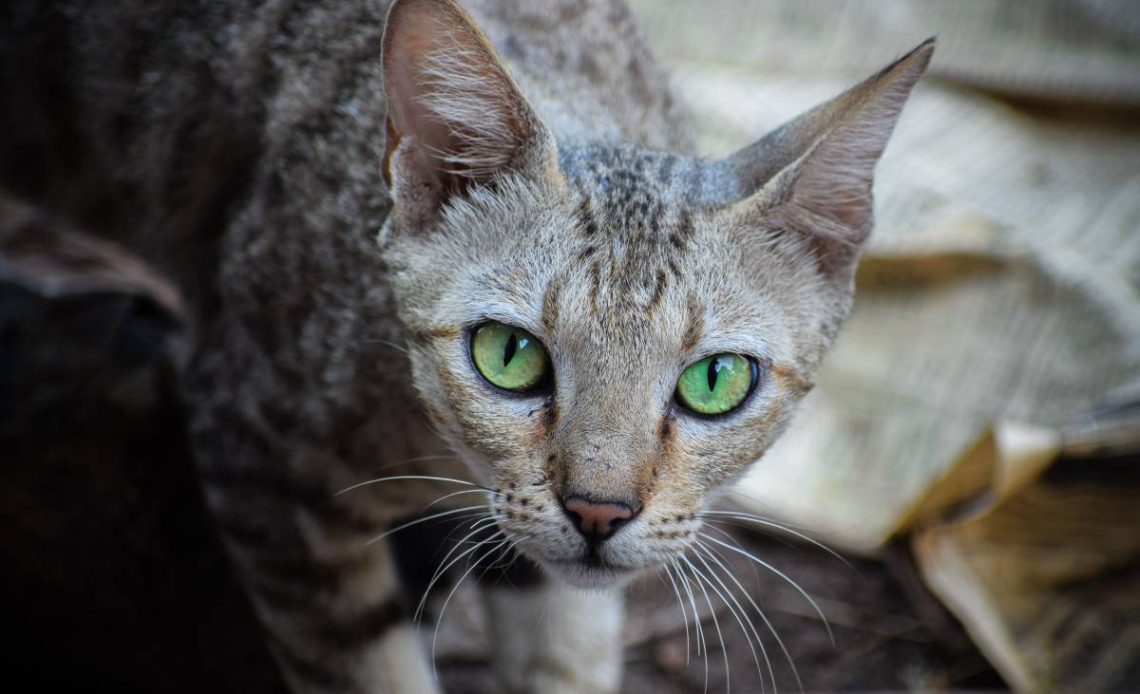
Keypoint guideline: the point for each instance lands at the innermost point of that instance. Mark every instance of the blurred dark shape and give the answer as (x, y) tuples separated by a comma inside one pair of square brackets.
[(113, 577)]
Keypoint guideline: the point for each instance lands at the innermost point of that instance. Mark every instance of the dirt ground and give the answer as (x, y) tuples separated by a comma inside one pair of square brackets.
[(889, 634)]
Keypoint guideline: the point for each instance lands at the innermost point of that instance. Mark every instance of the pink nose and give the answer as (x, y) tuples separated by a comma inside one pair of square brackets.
[(596, 520)]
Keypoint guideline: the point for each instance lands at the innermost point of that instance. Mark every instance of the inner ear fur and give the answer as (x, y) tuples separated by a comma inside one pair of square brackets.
[(455, 116), (813, 176)]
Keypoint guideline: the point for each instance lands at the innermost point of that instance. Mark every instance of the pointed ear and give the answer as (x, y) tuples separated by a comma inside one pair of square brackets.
[(813, 176), (455, 117)]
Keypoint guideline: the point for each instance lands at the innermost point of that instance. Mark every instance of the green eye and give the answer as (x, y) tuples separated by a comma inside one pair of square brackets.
[(509, 358), (716, 384)]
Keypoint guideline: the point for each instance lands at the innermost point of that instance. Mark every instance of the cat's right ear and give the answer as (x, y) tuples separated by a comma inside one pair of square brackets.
[(456, 119), (813, 176)]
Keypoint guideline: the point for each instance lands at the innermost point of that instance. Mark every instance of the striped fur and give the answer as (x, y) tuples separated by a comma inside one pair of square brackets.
[(338, 223)]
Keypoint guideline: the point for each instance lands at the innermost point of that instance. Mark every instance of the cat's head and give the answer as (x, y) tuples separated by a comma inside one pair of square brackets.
[(608, 335)]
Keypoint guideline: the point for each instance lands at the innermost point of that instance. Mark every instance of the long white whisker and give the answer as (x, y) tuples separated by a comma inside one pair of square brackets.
[(701, 580), (684, 614), (508, 553), (432, 478), (484, 521), (702, 645), (418, 459), (716, 557), (760, 520), (741, 616), (476, 526), (729, 536), (461, 491), (480, 518), (442, 610), (504, 556), (782, 575), (716, 622), (388, 343), (424, 519), (443, 568)]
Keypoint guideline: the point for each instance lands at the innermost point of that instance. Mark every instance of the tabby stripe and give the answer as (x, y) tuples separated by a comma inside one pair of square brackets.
[(658, 292), (685, 227), (306, 667), (695, 325), (586, 218), (313, 498), (550, 305), (240, 529), (339, 633), (308, 573), (595, 287), (549, 415), (364, 626), (282, 598), (430, 335)]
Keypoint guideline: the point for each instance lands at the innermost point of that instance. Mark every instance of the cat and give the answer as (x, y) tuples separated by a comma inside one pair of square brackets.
[(462, 255)]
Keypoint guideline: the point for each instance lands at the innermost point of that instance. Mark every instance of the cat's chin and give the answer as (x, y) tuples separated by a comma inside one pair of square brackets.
[(588, 574)]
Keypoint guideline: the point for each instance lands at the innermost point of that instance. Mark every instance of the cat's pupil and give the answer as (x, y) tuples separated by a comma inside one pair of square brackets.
[(712, 374), (512, 347)]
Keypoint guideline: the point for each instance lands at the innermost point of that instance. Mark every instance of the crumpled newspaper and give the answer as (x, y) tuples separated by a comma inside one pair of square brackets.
[(998, 305)]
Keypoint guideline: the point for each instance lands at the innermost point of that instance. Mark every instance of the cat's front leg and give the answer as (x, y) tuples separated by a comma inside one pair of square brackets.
[(553, 638), (336, 616)]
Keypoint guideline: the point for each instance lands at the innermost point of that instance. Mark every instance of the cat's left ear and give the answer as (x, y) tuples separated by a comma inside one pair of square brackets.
[(812, 176), (455, 116)]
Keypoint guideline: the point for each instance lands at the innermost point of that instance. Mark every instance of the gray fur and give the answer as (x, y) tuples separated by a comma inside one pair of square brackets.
[(535, 172)]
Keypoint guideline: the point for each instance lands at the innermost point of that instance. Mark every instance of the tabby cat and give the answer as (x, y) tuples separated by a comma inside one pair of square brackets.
[(462, 256)]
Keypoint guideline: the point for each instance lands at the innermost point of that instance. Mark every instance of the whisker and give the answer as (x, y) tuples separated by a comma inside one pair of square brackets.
[(447, 601), (513, 557), (418, 459), (729, 536), (411, 477), (507, 555), (424, 519), (714, 555), (760, 520), (485, 521), (684, 614), (739, 612), (461, 491), (697, 622), (717, 557), (450, 543), (735, 491), (439, 572), (782, 575), (388, 343), (701, 580)]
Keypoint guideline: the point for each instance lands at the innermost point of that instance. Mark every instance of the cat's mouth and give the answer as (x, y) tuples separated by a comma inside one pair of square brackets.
[(591, 570)]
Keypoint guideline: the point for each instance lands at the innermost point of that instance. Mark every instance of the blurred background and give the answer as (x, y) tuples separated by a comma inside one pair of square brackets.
[(972, 450), (976, 427)]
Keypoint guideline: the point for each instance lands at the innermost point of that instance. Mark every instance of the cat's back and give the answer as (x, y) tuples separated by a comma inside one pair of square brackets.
[(585, 68), (138, 85)]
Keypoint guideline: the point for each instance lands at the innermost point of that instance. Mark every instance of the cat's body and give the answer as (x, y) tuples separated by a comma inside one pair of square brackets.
[(254, 152)]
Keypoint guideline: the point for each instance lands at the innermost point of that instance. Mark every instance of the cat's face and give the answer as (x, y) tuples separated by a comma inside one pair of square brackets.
[(608, 336), (624, 286)]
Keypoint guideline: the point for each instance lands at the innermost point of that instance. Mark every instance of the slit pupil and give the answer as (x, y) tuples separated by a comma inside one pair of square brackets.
[(712, 375), (511, 348)]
